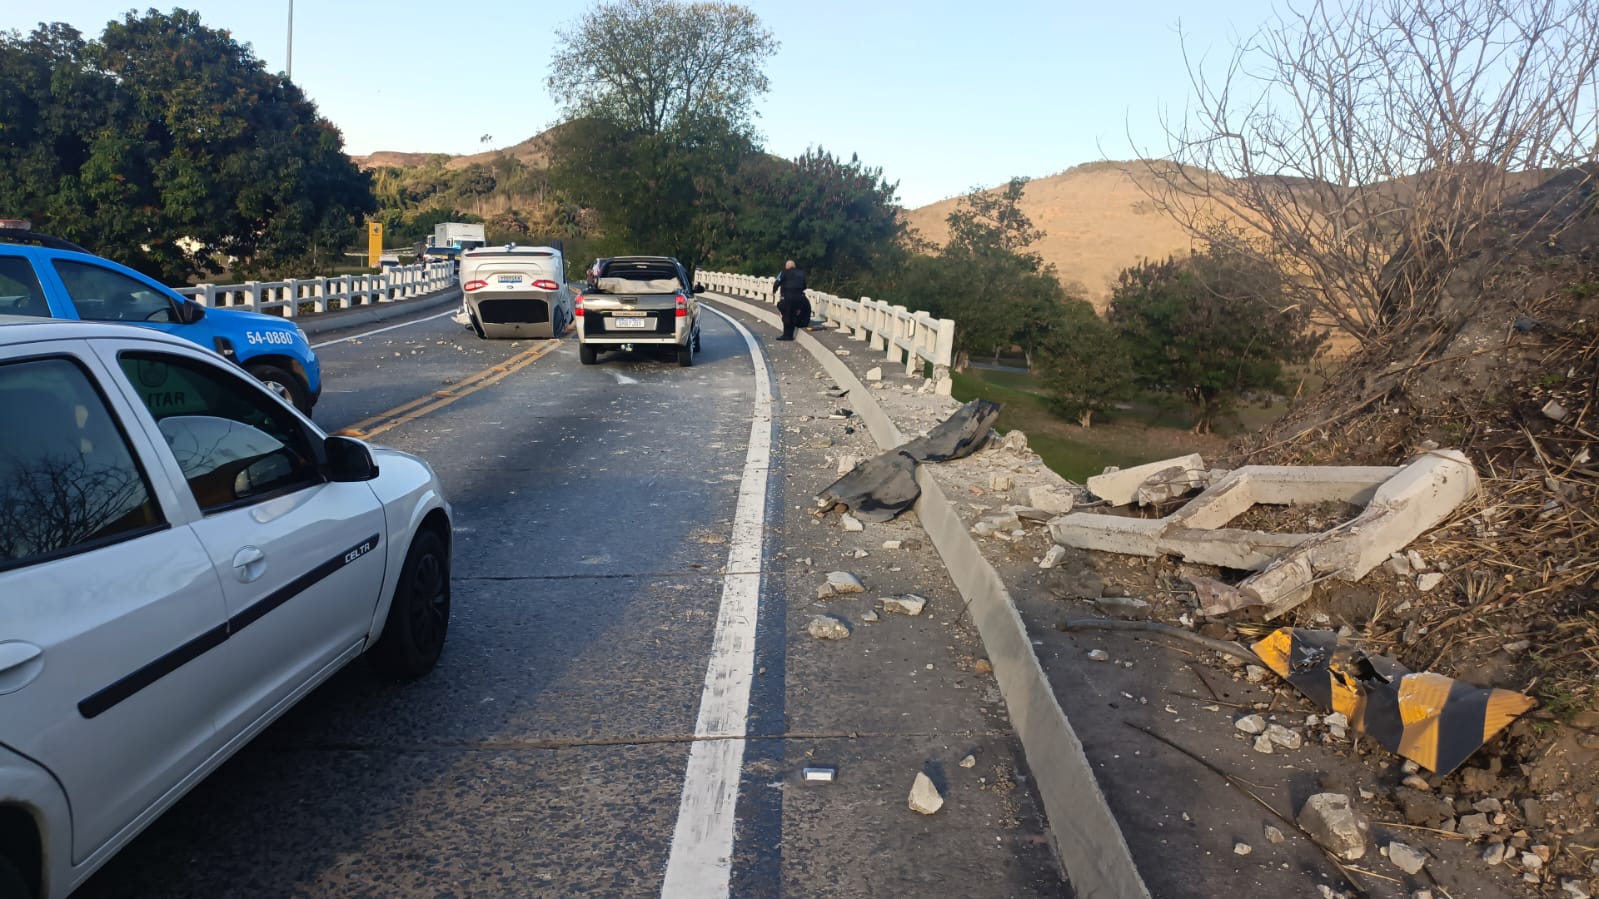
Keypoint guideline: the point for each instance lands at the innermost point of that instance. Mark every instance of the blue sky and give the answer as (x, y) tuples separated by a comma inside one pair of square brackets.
[(943, 96)]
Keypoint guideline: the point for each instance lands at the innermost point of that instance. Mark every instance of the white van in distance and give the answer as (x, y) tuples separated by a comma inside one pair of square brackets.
[(514, 291)]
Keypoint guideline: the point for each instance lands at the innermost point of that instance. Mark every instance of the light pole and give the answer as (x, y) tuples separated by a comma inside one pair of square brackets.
[(290, 73)]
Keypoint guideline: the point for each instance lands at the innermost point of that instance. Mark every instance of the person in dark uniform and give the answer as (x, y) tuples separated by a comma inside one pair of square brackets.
[(792, 304)]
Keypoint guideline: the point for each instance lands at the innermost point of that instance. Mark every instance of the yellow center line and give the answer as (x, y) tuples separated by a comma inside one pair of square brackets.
[(423, 405)]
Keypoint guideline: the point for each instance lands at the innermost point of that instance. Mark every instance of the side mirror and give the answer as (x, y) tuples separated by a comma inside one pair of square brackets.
[(190, 312), (349, 460)]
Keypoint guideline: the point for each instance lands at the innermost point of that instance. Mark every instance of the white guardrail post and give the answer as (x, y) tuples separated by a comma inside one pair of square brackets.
[(894, 329), (323, 293)]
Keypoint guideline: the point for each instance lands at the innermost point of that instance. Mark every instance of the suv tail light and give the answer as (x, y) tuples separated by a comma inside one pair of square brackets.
[(474, 285), (577, 305), (543, 284), (682, 306)]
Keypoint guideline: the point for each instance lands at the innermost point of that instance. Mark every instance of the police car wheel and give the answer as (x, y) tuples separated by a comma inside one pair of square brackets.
[(285, 385)]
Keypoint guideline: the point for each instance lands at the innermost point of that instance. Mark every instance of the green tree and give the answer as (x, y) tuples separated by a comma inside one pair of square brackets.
[(998, 292), (646, 65), (658, 98), (840, 219), (1210, 328), (167, 145), (656, 193), (1084, 366)]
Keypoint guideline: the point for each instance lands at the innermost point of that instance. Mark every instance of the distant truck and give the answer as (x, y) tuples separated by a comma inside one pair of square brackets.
[(459, 235)]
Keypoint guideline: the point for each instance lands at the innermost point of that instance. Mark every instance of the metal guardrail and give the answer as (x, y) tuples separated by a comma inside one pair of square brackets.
[(915, 337), (285, 298)]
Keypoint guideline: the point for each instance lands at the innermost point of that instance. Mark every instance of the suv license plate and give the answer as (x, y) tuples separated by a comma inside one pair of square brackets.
[(630, 322)]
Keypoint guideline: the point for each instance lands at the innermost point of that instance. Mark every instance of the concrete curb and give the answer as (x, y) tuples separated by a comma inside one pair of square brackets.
[(375, 312), (1088, 841)]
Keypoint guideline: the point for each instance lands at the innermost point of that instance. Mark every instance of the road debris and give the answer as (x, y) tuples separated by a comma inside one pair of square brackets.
[(909, 604), (819, 774), (882, 487), (1330, 820), (924, 796), (840, 582), (826, 627), (1406, 858), (1431, 719)]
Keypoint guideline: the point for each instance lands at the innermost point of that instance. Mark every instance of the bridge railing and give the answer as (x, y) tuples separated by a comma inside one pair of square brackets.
[(286, 298), (916, 338)]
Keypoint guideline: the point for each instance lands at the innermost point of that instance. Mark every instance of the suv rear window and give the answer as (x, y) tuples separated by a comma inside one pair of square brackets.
[(640, 271), (20, 293)]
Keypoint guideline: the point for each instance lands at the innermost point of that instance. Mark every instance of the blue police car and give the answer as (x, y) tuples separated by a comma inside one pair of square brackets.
[(51, 278)]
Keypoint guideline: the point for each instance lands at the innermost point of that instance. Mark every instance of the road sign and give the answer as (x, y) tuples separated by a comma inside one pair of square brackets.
[(374, 243)]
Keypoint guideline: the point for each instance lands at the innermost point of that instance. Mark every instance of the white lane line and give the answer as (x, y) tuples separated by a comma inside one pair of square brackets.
[(414, 321), (700, 865)]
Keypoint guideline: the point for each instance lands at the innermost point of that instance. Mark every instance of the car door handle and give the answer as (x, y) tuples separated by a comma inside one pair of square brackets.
[(20, 663), (249, 563)]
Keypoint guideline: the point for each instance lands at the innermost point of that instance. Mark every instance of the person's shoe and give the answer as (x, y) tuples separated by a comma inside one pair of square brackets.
[(785, 338)]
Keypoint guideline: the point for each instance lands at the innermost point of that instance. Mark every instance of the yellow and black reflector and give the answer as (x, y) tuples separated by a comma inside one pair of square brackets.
[(1433, 720)]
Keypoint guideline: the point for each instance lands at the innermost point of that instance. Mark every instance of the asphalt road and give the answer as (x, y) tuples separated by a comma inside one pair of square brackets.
[(546, 756)]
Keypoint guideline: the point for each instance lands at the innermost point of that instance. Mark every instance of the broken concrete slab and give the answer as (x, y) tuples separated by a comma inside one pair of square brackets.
[(1417, 498), (851, 523), (1121, 487), (1401, 503)]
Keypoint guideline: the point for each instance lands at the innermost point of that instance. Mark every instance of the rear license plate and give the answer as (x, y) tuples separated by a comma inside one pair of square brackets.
[(509, 279), (630, 322)]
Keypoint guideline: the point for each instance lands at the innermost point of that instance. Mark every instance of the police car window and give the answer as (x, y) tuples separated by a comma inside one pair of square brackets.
[(20, 293), (103, 295), (235, 444), (68, 480)]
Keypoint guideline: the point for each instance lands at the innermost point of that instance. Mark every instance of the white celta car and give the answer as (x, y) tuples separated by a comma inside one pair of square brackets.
[(183, 556)]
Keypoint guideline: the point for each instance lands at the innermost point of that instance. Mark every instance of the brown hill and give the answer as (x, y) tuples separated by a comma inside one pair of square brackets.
[(535, 151), (1096, 218)]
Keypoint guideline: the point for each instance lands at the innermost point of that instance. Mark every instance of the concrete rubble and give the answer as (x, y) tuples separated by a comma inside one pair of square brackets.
[(1119, 486), (839, 583), (1406, 858), (826, 627), (1331, 820), (1400, 504), (924, 797), (909, 604)]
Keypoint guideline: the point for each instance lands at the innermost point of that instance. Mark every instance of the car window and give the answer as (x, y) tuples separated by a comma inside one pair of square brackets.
[(235, 444), (103, 295), (68, 479), (20, 293)]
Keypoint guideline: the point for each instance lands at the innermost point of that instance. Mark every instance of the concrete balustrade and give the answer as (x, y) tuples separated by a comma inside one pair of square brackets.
[(915, 338), (285, 298)]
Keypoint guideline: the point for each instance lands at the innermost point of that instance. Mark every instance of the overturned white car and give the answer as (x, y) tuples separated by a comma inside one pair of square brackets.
[(512, 291)]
